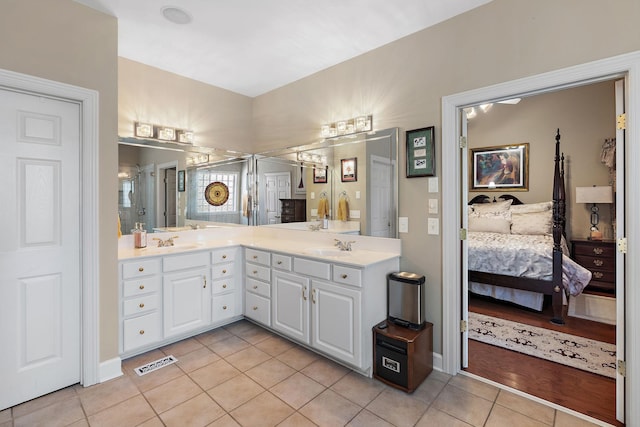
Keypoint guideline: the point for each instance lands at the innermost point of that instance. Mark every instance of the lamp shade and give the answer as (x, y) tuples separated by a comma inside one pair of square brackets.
[(595, 194)]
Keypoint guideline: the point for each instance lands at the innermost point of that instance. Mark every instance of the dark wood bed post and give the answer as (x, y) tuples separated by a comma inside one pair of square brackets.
[(558, 231)]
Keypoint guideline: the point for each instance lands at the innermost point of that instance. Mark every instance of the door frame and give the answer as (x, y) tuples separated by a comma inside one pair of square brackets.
[(89, 207), (605, 69), (161, 192)]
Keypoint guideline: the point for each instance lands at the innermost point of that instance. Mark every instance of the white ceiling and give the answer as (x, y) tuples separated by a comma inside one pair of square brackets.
[(254, 46)]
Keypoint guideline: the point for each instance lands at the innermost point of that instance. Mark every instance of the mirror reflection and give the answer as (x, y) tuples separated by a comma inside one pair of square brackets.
[(346, 185)]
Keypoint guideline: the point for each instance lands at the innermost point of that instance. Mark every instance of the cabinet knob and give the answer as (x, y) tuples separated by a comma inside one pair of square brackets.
[(224, 307), (141, 269), (224, 271), (279, 262), (224, 286), (141, 332), (141, 287), (598, 262), (313, 296), (255, 257), (255, 271), (344, 276), (224, 257), (141, 305), (255, 307), (598, 251), (304, 296), (255, 286)]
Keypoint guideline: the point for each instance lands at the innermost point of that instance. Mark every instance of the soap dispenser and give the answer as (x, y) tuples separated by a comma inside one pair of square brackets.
[(325, 222), (139, 235)]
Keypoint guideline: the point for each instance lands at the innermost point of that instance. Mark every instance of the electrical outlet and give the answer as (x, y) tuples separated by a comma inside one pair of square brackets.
[(403, 224), (433, 206), (433, 226)]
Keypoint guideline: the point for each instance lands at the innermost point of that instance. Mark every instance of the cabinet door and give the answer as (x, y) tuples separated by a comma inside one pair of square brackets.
[(187, 301), (336, 320), (290, 305)]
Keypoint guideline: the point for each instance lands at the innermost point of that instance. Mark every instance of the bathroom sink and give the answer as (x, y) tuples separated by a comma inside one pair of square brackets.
[(328, 252), (175, 247)]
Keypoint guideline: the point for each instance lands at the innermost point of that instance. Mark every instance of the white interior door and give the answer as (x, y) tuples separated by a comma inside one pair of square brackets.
[(464, 188), (170, 191), (40, 248), (381, 196), (278, 186)]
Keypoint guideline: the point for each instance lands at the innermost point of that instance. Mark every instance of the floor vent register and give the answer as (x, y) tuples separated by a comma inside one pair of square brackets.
[(154, 366)]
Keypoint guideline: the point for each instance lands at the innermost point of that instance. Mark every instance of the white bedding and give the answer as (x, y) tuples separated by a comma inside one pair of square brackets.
[(522, 256)]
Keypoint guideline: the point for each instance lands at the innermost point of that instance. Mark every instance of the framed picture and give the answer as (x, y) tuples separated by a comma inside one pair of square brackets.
[(349, 169), (181, 180), (421, 152), (500, 167), (320, 175)]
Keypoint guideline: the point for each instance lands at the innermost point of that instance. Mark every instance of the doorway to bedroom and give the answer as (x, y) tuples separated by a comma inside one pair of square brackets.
[(584, 115)]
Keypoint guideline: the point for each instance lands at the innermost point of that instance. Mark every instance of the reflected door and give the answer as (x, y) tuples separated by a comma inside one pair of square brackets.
[(278, 187)]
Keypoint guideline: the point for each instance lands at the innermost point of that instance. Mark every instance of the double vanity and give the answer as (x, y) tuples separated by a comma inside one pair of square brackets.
[(297, 284)]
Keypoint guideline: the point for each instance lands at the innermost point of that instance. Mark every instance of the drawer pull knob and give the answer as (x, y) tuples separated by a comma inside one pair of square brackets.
[(224, 286), (255, 307), (344, 276), (255, 286), (224, 257), (224, 271), (141, 287), (255, 271), (598, 275), (140, 269), (598, 251), (279, 262), (141, 332), (255, 257), (598, 262), (141, 305), (224, 307)]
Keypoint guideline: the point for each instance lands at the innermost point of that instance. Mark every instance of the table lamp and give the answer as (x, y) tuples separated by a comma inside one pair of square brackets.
[(594, 195)]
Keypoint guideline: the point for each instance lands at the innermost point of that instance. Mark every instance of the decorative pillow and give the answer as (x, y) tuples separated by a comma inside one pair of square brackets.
[(489, 225), (491, 209), (531, 207), (532, 223)]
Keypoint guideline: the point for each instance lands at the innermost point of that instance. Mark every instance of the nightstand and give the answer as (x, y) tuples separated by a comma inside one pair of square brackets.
[(599, 257), (293, 210)]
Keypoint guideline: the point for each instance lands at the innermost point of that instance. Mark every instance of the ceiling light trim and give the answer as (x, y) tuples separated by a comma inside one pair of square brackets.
[(176, 15)]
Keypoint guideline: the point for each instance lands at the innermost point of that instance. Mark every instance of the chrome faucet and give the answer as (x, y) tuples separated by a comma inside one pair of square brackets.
[(315, 227), (343, 246), (164, 243)]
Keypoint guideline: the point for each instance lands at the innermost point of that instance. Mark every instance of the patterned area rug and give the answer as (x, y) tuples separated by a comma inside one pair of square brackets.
[(582, 353)]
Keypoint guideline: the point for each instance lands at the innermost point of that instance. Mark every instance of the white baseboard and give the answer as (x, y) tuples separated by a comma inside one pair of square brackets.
[(110, 369), (593, 307), (437, 362)]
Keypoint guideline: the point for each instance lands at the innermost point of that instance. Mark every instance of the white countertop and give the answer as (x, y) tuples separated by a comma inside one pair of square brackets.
[(334, 226), (306, 244)]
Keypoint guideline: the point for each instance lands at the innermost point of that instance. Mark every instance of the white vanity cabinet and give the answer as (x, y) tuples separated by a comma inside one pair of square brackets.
[(257, 303), (290, 305), (187, 293), (226, 284)]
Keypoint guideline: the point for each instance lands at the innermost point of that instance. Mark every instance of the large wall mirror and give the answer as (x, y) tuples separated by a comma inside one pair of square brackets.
[(353, 181)]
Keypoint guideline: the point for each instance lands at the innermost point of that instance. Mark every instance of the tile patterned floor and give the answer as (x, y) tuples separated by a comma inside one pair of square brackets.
[(243, 375)]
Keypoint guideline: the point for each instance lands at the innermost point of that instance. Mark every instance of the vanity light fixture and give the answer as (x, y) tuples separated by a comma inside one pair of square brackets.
[(167, 134), (162, 133), (185, 136), (143, 130), (316, 159), (347, 127)]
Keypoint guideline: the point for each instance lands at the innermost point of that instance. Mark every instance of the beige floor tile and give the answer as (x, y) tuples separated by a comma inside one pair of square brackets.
[(5, 415), (275, 345), (270, 373), (153, 422), (247, 358), (564, 419), (439, 376), (297, 390), (529, 408), (214, 374), (101, 396), (235, 392), (463, 405), (240, 326), (474, 386), (368, 419), (255, 336), (181, 348), (196, 412), (60, 413), (504, 417), (296, 420), (156, 378), (435, 417), (263, 410), (325, 371), (211, 337), (225, 421), (358, 388), (197, 359), (429, 390), (229, 346), (6, 424), (397, 407), (298, 358), (168, 395), (330, 409), (128, 413), (39, 403), (84, 423)]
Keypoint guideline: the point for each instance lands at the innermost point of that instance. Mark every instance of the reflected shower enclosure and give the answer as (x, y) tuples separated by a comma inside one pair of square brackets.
[(135, 197)]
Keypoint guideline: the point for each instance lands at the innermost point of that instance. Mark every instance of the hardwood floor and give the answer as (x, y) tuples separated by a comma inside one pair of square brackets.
[(572, 388)]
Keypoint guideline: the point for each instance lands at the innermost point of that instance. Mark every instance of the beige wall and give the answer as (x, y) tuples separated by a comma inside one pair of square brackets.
[(66, 42), (585, 117)]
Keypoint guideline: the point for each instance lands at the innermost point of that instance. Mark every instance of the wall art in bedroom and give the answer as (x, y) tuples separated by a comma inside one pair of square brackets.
[(499, 167)]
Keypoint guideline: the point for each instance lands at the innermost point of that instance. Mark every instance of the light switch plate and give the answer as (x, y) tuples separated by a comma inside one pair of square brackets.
[(433, 226), (313, 195), (357, 194), (403, 224), (433, 206), (433, 184)]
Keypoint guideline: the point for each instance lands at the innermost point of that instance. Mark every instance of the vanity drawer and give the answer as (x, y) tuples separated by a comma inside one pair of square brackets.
[(141, 331), (222, 270), (224, 255), (223, 307), (258, 308), (143, 267), (258, 272), (281, 262), (309, 267), (222, 285), (258, 287), (259, 257), (141, 286), (182, 262), (140, 305), (347, 275)]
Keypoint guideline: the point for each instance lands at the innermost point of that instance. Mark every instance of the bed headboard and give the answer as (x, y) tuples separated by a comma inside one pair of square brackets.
[(483, 198)]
